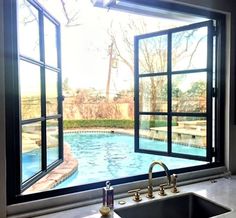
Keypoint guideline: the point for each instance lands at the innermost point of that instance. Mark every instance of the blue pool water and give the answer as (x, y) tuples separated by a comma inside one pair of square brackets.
[(106, 156), (31, 162)]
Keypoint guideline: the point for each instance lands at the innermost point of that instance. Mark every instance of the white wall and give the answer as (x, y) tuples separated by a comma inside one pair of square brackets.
[(2, 123)]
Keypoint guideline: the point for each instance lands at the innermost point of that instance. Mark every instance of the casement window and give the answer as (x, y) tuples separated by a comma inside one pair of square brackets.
[(37, 85), (166, 64), (165, 99), (40, 75)]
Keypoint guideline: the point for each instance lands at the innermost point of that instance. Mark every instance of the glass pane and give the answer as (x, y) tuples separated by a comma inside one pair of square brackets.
[(50, 43), (30, 90), (153, 94), (189, 49), (51, 92), (189, 135), (189, 92), (52, 141), (153, 132), (153, 54), (31, 150), (28, 30)]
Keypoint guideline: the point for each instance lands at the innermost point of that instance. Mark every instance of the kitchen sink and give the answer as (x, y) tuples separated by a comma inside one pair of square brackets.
[(187, 205)]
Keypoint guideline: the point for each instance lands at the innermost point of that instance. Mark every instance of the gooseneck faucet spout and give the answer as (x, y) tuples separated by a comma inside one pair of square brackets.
[(150, 186)]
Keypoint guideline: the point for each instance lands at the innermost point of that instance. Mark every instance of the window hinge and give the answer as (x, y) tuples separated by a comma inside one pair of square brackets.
[(213, 92), (213, 152), (214, 31)]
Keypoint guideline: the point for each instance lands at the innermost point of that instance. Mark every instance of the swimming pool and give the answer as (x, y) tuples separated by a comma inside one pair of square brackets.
[(31, 162), (106, 156)]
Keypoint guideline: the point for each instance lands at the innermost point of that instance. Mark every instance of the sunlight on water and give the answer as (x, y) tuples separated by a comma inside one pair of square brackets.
[(106, 156)]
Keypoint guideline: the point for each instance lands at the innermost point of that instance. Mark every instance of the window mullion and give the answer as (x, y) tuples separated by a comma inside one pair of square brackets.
[(60, 94), (169, 108), (43, 93), (209, 90), (136, 93)]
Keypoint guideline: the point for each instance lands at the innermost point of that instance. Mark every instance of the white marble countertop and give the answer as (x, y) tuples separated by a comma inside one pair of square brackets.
[(221, 191)]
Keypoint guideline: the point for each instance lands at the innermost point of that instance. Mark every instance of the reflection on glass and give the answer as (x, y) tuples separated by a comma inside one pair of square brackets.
[(189, 49), (189, 135), (189, 92), (51, 92), (50, 43), (30, 91), (153, 94), (155, 128), (31, 150), (153, 54), (52, 141), (28, 30)]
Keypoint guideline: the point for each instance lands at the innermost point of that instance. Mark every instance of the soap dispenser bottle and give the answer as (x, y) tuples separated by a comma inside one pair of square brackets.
[(108, 195)]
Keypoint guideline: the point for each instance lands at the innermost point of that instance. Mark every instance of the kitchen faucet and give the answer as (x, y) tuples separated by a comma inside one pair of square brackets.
[(150, 186)]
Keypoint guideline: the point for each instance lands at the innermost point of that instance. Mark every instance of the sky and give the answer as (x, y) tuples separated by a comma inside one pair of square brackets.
[(85, 58)]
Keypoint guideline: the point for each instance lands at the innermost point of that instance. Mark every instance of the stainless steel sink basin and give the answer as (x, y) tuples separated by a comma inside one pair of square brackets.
[(187, 205)]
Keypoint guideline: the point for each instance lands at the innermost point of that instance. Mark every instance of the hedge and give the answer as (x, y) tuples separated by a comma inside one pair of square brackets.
[(125, 124)]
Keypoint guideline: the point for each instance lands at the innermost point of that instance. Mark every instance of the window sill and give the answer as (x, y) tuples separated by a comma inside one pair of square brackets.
[(65, 202)]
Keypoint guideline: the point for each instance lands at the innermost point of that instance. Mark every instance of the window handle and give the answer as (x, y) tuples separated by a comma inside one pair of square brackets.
[(61, 98)]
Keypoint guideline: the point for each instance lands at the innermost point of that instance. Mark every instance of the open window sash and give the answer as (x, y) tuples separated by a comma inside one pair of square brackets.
[(40, 82), (173, 92)]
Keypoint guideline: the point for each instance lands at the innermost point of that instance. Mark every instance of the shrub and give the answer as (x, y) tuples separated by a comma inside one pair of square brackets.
[(126, 124)]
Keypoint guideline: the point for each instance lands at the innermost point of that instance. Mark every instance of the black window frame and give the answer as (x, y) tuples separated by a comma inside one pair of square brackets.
[(16, 163), (12, 101), (45, 168), (169, 73)]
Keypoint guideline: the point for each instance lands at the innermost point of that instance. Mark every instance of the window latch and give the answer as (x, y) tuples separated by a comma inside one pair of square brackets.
[(214, 31), (213, 152), (213, 92), (61, 98)]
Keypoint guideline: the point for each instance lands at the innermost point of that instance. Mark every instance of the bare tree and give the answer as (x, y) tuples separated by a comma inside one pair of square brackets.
[(110, 53), (153, 58), (72, 18), (68, 9)]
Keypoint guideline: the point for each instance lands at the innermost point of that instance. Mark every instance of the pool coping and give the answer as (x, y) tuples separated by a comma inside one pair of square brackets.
[(66, 169), (121, 131), (101, 130), (70, 164)]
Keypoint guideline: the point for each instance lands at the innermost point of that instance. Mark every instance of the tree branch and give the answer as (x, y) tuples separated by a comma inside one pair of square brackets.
[(68, 18), (194, 51)]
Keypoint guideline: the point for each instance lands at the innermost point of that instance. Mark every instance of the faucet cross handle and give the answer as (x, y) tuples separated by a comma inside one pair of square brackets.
[(150, 192), (136, 197), (162, 190)]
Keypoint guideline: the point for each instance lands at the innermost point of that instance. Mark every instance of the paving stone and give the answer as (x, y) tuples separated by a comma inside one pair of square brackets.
[(57, 175)]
